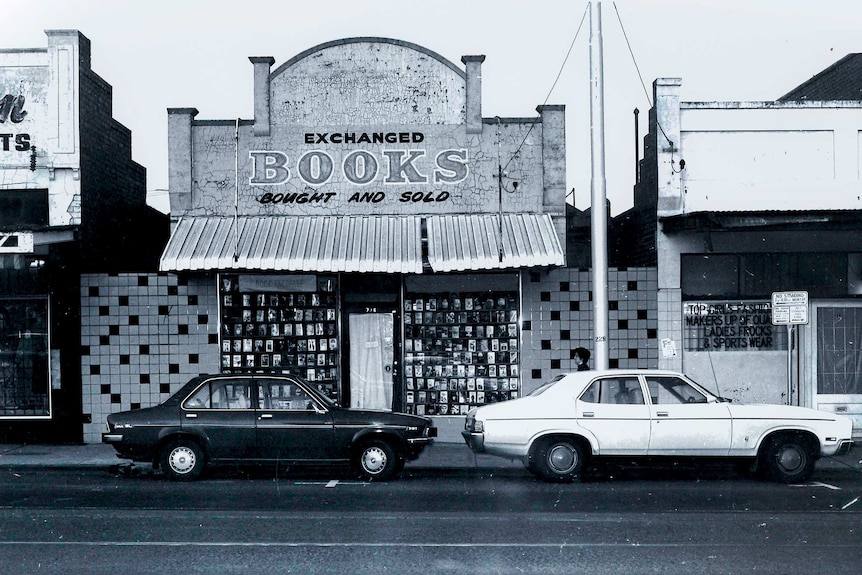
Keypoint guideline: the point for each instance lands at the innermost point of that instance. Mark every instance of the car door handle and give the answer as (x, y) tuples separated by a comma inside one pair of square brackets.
[(661, 413), (191, 415), (589, 414), (266, 416)]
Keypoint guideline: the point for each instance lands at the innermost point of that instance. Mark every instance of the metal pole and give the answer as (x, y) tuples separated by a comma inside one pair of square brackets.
[(598, 190)]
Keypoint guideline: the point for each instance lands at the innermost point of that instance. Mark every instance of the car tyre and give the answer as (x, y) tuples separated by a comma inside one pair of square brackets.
[(377, 461), (182, 460), (560, 460), (788, 459)]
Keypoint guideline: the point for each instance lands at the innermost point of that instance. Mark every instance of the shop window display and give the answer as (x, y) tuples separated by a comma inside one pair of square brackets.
[(281, 327), (461, 350)]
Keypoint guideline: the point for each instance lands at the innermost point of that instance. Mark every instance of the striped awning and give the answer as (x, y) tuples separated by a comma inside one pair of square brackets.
[(472, 242), (380, 244), (372, 244)]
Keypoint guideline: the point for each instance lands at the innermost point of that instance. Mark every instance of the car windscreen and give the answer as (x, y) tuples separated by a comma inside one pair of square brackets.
[(545, 386)]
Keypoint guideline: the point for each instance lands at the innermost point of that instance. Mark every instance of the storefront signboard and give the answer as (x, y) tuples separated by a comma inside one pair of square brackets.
[(731, 326)]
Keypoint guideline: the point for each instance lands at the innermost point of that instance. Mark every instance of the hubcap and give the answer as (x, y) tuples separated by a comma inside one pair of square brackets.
[(562, 458), (791, 458), (373, 460), (182, 460)]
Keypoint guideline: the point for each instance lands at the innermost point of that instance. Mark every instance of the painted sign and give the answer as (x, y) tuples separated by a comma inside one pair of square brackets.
[(356, 170), (12, 112), (731, 326)]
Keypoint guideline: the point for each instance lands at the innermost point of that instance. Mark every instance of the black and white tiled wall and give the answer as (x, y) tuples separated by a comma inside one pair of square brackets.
[(142, 337), (557, 318)]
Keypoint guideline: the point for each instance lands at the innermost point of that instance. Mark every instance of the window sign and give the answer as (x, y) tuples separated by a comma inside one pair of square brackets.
[(731, 326)]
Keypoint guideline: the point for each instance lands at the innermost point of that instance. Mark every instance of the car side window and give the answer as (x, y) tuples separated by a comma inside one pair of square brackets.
[(284, 394), (614, 390), (673, 390), (223, 394)]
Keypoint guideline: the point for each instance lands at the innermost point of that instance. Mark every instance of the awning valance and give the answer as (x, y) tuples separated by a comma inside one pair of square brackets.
[(472, 242), (378, 244), (290, 243)]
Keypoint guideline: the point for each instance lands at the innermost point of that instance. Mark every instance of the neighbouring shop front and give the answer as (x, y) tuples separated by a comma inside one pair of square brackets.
[(362, 231)]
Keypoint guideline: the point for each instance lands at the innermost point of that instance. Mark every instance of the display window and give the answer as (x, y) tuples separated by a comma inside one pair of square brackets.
[(281, 324), (461, 350), (25, 381)]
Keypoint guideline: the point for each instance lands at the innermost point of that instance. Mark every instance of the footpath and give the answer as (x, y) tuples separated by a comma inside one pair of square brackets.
[(440, 455)]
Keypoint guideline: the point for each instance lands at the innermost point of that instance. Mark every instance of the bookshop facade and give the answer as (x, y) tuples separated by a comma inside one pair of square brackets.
[(369, 230)]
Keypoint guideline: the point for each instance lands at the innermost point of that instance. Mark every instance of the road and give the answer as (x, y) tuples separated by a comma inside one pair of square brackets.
[(430, 521)]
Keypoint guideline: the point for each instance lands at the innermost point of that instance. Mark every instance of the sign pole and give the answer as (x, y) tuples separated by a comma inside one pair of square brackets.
[(790, 308)]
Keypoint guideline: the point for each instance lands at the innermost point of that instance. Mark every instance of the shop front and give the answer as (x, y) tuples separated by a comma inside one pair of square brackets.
[(369, 230)]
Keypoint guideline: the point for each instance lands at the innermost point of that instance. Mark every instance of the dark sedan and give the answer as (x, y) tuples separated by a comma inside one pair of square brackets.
[(231, 419)]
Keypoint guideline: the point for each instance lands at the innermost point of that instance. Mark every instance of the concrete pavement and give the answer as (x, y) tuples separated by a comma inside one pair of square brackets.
[(441, 455)]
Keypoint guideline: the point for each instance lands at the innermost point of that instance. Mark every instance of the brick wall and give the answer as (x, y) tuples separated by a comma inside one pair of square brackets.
[(142, 337)]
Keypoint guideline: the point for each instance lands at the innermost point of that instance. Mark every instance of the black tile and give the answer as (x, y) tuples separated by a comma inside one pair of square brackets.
[(536, 374)]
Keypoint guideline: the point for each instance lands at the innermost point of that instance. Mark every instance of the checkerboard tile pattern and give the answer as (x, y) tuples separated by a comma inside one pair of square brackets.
[(557, 318), (142, 337)]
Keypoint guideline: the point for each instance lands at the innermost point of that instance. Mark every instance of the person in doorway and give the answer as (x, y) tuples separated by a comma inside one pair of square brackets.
[(582, 358)]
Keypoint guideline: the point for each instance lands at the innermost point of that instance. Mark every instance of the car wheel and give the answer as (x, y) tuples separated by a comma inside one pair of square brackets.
[(559, 459), (182, 460), (377, 461), (788, 459)]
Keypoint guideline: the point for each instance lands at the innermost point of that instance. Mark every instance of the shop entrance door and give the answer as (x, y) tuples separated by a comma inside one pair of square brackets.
[(838, 359), (372, 359)]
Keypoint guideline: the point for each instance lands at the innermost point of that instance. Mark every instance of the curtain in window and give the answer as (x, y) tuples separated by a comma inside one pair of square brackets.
[(371, 359), (839, 350)]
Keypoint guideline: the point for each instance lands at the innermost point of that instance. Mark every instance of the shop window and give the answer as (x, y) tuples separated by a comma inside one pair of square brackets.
[(281, 324), (461, 350), (25, 390), (758, 275)]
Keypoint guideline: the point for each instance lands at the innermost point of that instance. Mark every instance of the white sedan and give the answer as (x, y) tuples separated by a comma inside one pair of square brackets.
[(558, 428)]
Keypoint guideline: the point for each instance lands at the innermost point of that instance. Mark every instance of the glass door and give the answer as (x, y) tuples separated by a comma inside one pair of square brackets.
[(838, 359), (372, 359)]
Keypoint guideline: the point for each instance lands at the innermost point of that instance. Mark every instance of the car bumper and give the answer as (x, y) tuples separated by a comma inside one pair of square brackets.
[(475, 441), (844, 447), (112, 438)]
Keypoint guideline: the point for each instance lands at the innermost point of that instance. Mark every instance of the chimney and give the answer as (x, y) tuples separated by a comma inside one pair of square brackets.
[(262, 64), (474, 93)]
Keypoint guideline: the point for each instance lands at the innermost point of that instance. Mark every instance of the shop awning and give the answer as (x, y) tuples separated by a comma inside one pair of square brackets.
[(380, 244), (472, 242), (372, 244)]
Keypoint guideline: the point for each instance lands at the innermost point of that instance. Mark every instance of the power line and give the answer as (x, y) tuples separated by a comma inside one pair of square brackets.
[(554, 85)]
